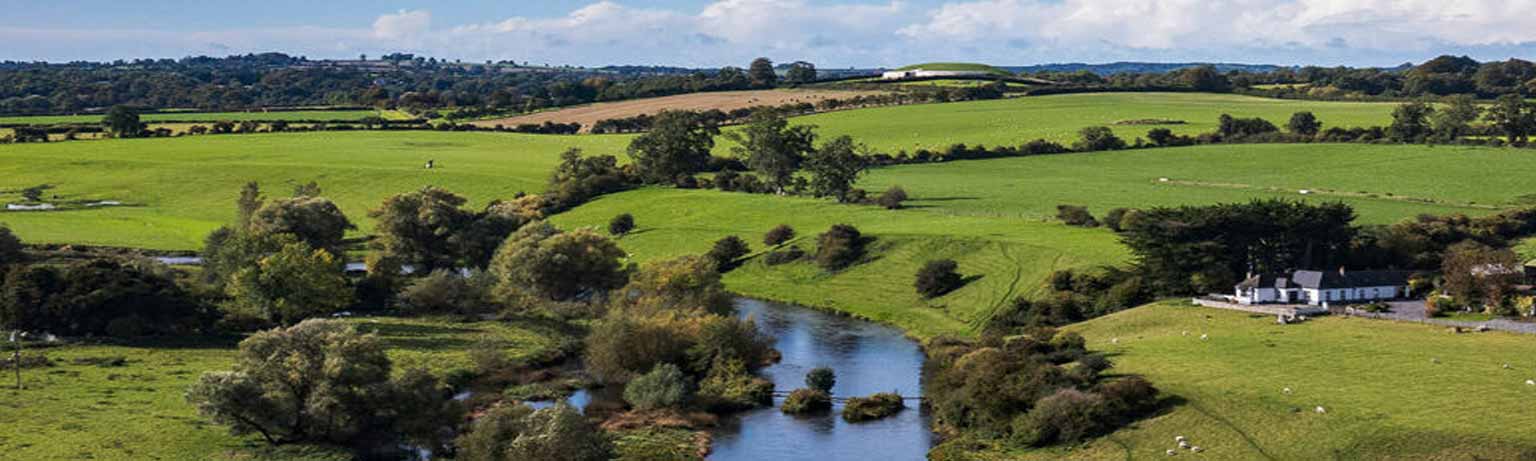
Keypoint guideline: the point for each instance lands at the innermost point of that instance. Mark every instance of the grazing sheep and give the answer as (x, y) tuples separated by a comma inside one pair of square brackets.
[(1179, 439), (1183, 444), (1530, 382), (1434, 360), (1320, 410), (1114, 340), (1186, 332), (1286, 391), (1205, 337), (1196, 449), (1171, 452), (1506, 366)]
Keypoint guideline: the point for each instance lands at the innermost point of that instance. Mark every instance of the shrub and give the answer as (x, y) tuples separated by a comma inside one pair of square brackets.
[(11, 248), (728, 387), (891, 199), (779, 235), (98, 297), (1073, 215), (621, 224), (517, 432), (296, 283), (720, 339), (938, 277), (727, 251), (687, 284), (1115, 218), (874, 407), (785, 256), (443, 292), (621, 347), (1127, 398), (1095, 138), (664, 387), (839, 247), (1068, 416), (803, 401), (821, 379)]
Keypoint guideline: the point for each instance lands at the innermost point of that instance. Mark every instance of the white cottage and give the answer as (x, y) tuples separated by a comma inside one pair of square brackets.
[(1318, 288)]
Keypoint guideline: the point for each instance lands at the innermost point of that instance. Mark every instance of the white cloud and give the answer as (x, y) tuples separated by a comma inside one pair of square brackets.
[(405, 24)]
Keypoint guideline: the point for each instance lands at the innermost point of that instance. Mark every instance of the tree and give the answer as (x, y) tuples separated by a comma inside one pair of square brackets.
[(541, 261), (422, 228), (1096, 138), (98, 297), (621, 224), (123, 122), (762, 74), (772, 148), (320, 381), (445, 292), (688, 284), (1074, 215), (779, 235), (727, 251), (1203, 78), (1303, 124), (678, 144), (10, 247), (1475, 272), (821, 379), (1454, 119), (663, 387), (839, 247), (1513, 117), (801, 72), (293, 284), (247, 205), (835, 167), (891, 199), (1410, 122), (937, 277), (313, 220)]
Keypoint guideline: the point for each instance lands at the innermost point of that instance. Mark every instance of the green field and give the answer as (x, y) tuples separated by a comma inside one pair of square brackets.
[(136, 411), (179, 189), (258, 116), (957, 66), (1015, 121), (1384, 396), (1383, 183)]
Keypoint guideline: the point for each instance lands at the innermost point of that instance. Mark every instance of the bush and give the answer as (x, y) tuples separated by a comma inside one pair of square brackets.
[(727, 251), (1095, 138), (517, 432), (1073, 215), (541, 261), (839, 247), (443, 292), (779, 235), (936, 278), (1115, 218), (821, 379), (1067, 416), (874, 407), (621, 224), (785, 256), (11, 248), (664, 387), (1127, 398), (729, 387), (98, 297), (803, 401), (621, 347), (891, 199)]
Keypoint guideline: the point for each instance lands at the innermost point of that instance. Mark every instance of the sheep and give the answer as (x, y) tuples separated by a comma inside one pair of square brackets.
[(1196, 449), (1179, 439), (1530, 382), (1114, 340), (1506, 366), (1183, 444), (1171, 452), (1434, 360), (1286, 391), (1186, 332), (1320, 410), (1205, 337)]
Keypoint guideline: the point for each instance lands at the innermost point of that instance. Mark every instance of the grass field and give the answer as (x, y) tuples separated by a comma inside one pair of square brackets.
[(1015, 121), (958, 67), (1384, 395), (589, 115), (176, 190), (1011, 255), (258, 116), (1383, 183), (136, 411)]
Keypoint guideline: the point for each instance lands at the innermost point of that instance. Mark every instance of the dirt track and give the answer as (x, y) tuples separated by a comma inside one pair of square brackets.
[(728, 100)]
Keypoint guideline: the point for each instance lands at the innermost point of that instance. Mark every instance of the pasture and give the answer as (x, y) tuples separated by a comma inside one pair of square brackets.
[(80, 408), (1383, 393), (588, 115), (1383, 183), (256, 116), (1014, 121), (175, 190)]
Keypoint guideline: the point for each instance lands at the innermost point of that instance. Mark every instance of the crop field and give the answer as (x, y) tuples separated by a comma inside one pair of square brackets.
[(589, 115), (1388, 390), (1383, 183), (174, 191), (82, 409), (1012, 256), (258, 116), (1014, 121)]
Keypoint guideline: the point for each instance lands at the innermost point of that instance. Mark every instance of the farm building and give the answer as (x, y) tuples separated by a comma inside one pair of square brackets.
[(924, 73), (1320, 288)]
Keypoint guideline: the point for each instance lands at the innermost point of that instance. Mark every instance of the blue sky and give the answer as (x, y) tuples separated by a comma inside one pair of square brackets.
[(831, 33)]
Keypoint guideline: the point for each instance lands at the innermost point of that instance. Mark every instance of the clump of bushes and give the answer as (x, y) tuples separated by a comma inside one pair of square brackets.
[(100, 297), (520, 432), (448, 292), (821, 379), (727, 251), (892, 198), (621, 224), (938, 277), (803, 401), (779, 235), (1074, 215), (664, 387), (784, 256), (877, 406), (839, 247), (729, 387)]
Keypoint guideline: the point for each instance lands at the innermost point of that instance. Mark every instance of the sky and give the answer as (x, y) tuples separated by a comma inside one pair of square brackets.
[(830, 33)]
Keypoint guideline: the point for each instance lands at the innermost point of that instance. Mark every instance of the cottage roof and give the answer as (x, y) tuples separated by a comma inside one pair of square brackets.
[(1319, 280)]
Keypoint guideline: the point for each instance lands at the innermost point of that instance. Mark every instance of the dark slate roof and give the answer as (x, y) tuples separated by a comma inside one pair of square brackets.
[(1327, 280)]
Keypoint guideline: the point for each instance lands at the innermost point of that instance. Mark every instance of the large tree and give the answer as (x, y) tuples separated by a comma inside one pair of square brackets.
[(773, 148), (10, 247), (835, 167), (293, 284), (801, 72), (123, 122), (762, 74), (1478, 273), (313, 220), (1410, 122), (1514, 117), (541, 261), (678, 144), (422, 228), (1454, 118)]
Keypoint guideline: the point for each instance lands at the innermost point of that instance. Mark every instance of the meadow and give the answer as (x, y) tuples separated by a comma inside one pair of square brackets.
[(1389, 390), (176, 190), (86, 407), (257, 116)]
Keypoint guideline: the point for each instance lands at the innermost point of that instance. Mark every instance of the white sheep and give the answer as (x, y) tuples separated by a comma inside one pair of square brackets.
[(1114, 340), (1434, 360), (1196, 449), (1530, 382), (1205, 337), (1183, 444), (1171, 452), (1186, 332), (1506, 366), (1179, 439), (1320, 410), (1286, 391)]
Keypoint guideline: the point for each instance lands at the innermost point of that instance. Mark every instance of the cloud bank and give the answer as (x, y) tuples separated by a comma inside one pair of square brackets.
[(841, 33)]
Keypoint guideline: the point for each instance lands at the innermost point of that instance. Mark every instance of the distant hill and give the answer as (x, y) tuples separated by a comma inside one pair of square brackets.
[(1139, 67), (958, 66)]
